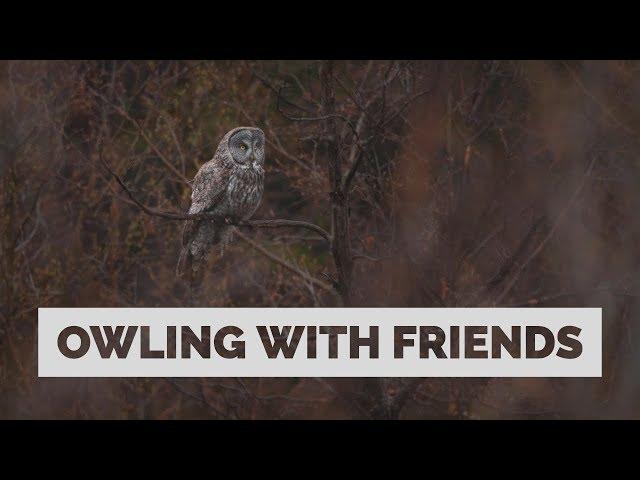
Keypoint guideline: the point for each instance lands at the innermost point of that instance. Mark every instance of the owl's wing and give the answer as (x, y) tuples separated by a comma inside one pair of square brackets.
[(209, 186)]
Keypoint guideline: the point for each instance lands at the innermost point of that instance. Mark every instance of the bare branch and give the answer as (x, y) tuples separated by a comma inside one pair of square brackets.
[(284, 263), (270, 223), (607, 111), (549, 235), (278, 223), (144, 135)]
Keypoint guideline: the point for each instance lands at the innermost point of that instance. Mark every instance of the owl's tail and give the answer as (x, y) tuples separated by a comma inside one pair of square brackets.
[(185, 261), (196, 244), (188, 264)]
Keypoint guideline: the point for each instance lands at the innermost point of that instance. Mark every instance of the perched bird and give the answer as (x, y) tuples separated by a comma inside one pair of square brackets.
[(229, 187)]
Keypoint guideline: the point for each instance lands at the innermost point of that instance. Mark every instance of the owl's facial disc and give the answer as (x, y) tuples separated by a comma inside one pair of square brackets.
[(247, 148)]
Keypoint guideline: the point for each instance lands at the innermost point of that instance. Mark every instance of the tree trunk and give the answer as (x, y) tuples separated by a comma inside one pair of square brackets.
[(340, 245)]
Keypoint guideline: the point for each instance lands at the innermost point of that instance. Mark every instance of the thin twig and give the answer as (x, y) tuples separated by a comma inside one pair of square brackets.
[(284, 263), (546, 239)]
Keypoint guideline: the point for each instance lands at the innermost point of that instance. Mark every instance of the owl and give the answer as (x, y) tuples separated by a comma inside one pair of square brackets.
[(229, 187)]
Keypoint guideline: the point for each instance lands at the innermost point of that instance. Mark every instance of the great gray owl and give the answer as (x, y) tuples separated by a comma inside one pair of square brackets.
[(229, 186)]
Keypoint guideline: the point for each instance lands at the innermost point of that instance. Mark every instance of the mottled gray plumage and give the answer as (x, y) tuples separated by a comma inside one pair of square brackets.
[(229, 186)]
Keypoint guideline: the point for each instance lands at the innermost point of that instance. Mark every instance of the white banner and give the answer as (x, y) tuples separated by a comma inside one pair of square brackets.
[(320, 342)]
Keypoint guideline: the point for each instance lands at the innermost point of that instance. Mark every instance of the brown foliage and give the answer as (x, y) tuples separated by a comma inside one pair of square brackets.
[(439, 184)]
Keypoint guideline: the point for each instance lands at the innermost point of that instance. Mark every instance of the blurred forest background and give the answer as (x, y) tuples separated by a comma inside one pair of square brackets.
[(439, 184)]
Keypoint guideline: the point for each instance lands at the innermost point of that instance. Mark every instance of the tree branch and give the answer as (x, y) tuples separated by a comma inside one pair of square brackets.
[(270, 223), (284, 263), (514, 279)]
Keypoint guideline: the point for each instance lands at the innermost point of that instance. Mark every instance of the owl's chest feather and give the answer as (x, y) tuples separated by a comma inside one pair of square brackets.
[(244, 193)]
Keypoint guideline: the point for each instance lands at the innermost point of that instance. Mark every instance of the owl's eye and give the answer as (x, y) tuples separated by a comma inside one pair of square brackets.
[(243, 147)]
